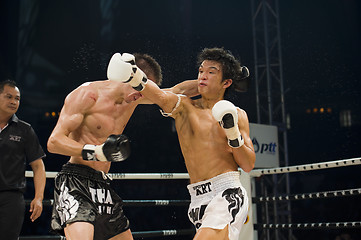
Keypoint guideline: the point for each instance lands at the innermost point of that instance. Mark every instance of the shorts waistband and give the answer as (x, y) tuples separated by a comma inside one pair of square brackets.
[(84, 171), (212, 186)]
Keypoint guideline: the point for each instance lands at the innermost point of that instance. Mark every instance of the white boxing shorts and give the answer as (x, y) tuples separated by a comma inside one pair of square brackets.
[(218, 202)]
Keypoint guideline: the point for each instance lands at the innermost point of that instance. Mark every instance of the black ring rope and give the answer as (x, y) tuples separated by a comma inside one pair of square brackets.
[(143, 234), (146, 234), (309, 225), (316, 195)]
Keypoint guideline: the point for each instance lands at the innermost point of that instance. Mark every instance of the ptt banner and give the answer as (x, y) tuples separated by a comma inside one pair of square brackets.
[(265, 143)]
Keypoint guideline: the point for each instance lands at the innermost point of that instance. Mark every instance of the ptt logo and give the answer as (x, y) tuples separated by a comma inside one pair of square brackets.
[(264, 148)]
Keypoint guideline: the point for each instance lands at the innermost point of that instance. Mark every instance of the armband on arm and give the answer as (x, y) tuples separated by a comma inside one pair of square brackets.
[(175, 107)]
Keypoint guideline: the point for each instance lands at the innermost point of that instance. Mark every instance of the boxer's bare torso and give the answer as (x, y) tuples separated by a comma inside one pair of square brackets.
[(90, 114), (202, 141)]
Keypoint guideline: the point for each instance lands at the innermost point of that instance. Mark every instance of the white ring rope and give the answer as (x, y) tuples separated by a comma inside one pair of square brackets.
[(310, 225), (302, 196), (253, 173), (129, 175), (315, 195), (142, 203), (306, 167), (148, 175)]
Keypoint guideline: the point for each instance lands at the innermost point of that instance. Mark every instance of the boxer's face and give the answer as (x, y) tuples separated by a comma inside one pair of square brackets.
[(9, 100), (210, 77), (133, 95)]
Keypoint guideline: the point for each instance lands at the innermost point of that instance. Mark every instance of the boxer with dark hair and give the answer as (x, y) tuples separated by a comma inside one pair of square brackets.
[(89, 130), (213, 135)]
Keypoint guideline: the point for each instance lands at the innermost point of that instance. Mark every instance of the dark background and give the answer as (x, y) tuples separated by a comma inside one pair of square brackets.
[(65, 43)]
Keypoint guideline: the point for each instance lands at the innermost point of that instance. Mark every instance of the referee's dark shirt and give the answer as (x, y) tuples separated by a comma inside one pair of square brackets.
[(19, 145)]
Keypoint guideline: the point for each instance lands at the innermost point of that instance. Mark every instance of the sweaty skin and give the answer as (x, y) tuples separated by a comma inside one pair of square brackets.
[(203, 142), (95, 110), (90, 114)]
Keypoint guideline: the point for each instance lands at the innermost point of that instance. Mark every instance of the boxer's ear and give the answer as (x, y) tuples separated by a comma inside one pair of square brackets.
[(227, 83)]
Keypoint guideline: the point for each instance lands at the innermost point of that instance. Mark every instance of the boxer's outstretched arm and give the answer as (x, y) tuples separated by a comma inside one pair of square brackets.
[(187, 87), (165, 99), (122, 68)]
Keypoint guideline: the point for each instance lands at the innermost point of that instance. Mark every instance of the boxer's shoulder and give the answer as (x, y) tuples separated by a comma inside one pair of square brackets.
[(83, 96)]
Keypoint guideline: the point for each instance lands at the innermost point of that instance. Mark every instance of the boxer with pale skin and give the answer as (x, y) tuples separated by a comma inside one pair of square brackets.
[(89, 130), (214, 139)]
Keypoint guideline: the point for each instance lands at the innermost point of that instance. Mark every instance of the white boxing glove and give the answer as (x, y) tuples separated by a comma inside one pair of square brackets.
[(129, 58), (118, 70), (226, 114), (139, 79), (122, 68), (136, 77)]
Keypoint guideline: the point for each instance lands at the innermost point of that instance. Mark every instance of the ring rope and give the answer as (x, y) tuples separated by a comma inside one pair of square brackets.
[(315, 195), (147, 203), (45, 202), (143, 203), (41, 237), (253, 173), (148, 175), (133, 176), (139, 235), (146, 234), (159, 233), (309, 225), (302, 196), (306, 167)]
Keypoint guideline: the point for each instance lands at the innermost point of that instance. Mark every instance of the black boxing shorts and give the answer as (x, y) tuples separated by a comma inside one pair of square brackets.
[(82, 194)]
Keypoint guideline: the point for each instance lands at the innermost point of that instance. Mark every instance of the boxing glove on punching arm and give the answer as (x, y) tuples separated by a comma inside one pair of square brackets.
[(226, 114), (116, 148), (122, 68), (118, 70)]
